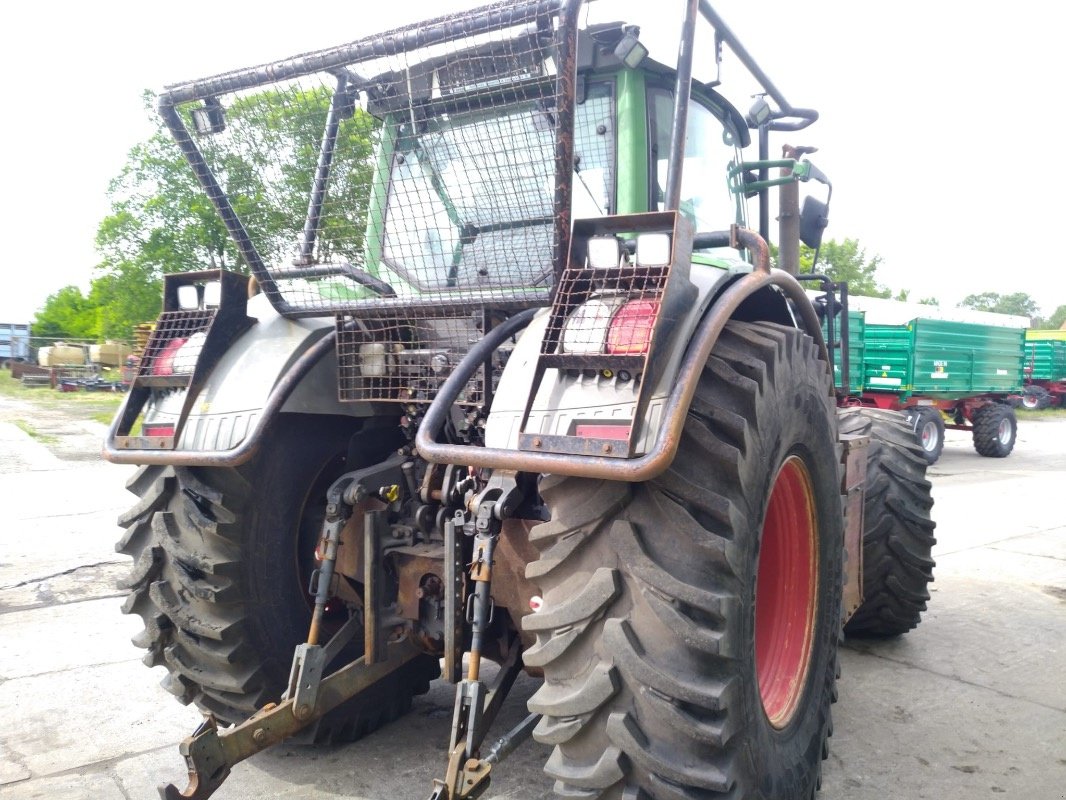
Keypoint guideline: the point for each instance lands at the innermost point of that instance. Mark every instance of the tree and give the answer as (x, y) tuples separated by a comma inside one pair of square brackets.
[(847, 261), (1055, 321), (1018, 303), (162, 222), (66, 314)]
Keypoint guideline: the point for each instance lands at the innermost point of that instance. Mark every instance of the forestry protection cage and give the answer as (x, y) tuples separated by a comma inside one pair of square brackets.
[(417, 174)]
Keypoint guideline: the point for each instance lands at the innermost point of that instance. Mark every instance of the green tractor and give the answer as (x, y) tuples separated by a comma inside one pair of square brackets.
[(506, 375)]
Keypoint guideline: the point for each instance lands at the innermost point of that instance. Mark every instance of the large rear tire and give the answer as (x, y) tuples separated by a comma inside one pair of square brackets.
[(221, 565), (995, 429), (689, 627), (897, 542)]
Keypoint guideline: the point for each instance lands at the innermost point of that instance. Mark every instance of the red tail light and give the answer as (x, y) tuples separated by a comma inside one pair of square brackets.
[(164, 362), (604, 431), (157, 430), (631, 327)]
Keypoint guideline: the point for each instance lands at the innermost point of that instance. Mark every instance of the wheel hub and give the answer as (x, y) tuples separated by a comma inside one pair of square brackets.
[(786, 593), (930, 437), (1004, 431)]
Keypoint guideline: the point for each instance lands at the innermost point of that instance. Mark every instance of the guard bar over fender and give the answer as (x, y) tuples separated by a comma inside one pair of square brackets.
[(662, 453)]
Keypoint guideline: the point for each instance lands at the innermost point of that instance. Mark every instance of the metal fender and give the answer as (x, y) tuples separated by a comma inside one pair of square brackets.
[(760, 294), (278, 365)]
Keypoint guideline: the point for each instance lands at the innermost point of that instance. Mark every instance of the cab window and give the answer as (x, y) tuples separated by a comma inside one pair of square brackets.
[(705, 195)]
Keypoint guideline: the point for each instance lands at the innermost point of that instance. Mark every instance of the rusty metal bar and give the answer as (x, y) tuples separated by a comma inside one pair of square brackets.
[(802, 117), (662, 453), (219, 198), (682, 93), (564, 138), (853, 487), (401, 40), (210, 754), (788, 219), (325, 160)]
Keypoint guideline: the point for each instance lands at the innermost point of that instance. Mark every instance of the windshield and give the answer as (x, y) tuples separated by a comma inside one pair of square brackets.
[(471, 195)]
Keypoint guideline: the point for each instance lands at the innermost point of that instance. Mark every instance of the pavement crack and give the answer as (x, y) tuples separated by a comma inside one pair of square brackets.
[(956, 678), (35, 606), (1029, 555), (70, 571), (994, 542)]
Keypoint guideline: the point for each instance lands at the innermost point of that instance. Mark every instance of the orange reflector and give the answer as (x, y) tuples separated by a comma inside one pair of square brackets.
[(617, 432), (630, 332)]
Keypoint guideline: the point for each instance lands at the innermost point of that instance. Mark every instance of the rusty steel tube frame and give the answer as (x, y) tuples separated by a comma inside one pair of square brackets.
[(675, 412), (336, 60), (248, 447)]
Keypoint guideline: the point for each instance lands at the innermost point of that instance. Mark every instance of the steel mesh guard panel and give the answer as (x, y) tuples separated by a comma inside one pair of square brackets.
[(620, 308), (175, 344), (408, 361), (414, 170)]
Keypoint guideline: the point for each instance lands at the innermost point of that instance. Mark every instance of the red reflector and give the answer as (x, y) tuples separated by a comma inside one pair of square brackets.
[(157, 430), (630, 332), (164, 363), (619, 432)]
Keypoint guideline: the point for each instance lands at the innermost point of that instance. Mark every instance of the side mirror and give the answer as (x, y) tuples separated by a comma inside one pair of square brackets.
[(814, 217)]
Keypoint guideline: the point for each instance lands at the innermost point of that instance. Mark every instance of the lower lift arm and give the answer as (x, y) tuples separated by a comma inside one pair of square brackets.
[(477, 703)]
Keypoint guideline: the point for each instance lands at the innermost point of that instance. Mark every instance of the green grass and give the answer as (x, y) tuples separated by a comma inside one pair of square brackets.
[(97, 406), (43, 438), (1043, 413)]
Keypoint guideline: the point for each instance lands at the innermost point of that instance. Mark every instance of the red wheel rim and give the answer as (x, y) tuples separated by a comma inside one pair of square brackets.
[(786, 593)]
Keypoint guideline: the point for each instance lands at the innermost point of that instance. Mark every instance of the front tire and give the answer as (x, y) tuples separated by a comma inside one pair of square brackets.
[(897, 540), (689, 627), (221, 562), (995, 429)]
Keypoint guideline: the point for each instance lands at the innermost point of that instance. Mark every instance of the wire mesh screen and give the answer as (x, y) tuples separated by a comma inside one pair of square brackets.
[(408, 361), (605, 318), (413, 170), (174, 346)]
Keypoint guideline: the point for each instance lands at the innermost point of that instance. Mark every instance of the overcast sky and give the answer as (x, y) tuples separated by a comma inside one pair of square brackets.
[(940, 122)]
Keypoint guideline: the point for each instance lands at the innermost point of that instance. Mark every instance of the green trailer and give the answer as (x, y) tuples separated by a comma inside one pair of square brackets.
[(1045, 369), (856, 347), (947, 374)]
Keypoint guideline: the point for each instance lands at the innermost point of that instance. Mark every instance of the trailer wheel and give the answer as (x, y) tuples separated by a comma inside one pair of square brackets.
[(1035, 398), (221, 565), (689, 628), (928, 425), (995, 429), (897, 542)]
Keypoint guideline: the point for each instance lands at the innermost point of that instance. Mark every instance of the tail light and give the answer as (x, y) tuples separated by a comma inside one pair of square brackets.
[(615, 431), (631, 328), (611, 309), (164, 429), (164, 363), (179, 355), (611, 326), (587, 326)]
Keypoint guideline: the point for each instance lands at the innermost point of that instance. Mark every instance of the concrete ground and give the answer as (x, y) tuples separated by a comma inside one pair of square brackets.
[(972, 704)]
